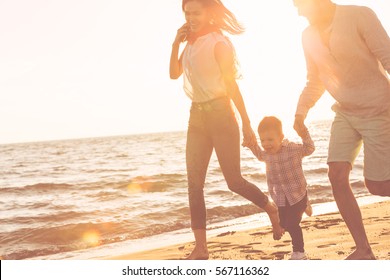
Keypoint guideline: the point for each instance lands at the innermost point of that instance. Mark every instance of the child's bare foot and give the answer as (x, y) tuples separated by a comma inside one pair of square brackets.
[(309, 209), (361, 255), (272, 211), (198, 254)]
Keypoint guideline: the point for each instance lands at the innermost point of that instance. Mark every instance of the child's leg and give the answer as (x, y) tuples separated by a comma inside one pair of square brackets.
[(296, 234), (292, 224)]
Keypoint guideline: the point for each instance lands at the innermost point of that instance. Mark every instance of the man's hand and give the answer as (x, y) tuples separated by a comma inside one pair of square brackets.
[(299, 125)]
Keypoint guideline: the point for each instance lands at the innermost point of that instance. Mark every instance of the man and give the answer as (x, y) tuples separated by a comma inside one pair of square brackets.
[(347, 53)]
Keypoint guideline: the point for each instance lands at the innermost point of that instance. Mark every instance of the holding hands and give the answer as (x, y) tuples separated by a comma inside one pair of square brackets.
[(249, 136), (299, 125)]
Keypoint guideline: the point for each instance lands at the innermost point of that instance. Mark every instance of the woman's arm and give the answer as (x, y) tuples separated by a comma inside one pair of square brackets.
[(175, 66), (225, 58)]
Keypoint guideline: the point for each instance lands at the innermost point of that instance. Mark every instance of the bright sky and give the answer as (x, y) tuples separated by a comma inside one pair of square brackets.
[(86, 68)]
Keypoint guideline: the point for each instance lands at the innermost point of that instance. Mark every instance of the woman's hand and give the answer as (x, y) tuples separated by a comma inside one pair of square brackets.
[(181, 34), (249, 136), (175, 66)]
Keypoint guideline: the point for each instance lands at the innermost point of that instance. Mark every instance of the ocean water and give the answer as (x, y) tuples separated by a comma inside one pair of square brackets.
[(60, 197)]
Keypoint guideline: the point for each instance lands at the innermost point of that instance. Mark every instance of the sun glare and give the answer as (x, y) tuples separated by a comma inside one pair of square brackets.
[(92, 238), (272, 61), (134, 188)]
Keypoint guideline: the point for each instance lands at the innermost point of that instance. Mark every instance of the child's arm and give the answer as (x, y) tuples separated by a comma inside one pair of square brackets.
[(257, 152), (308, 144)]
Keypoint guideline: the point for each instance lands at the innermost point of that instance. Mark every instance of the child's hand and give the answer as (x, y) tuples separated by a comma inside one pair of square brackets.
[(303, 131), (299, 125)]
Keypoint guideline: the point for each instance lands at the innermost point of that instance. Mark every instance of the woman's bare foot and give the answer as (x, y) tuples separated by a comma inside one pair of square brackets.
[(198, 254), (272, 211), (361, 255)]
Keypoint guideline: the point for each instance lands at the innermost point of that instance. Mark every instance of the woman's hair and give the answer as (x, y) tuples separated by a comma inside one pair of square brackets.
[(222, 18)]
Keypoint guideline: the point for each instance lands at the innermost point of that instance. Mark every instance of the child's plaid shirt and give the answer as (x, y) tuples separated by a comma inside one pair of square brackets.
[(285, 176)]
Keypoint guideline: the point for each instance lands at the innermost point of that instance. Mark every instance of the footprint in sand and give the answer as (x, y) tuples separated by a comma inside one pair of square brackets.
[(225, 245), (279, 245), (385, 233), (243, 247), (261, 233), (326, 245), (218, 243), (252, 251), (381, 220), (328, 223), (320, 226), (306, 224), (255, 243), (226, 233), (280, 255), (219, 251)]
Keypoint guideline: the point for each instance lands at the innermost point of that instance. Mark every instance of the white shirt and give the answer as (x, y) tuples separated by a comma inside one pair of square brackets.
[(203, 80), (352, 67)]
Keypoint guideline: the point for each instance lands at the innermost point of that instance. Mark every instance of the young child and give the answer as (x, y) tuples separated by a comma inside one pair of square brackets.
[(285, 177)]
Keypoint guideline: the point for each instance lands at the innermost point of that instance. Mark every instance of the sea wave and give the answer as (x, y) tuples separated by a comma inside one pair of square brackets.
[(61, 196), (40, 241), (39, 187)]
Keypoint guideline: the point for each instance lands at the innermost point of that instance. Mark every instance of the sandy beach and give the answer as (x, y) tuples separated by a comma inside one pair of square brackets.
[(326, 238)]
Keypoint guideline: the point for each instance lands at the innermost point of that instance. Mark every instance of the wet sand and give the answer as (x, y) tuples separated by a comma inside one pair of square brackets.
[(326, 238)]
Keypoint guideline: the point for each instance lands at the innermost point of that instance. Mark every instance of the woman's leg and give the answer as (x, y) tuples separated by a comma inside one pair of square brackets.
[(226, 141), (198, 152)]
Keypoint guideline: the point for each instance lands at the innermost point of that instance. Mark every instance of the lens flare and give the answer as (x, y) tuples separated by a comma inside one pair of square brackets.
[(134, 188), (91, 238)]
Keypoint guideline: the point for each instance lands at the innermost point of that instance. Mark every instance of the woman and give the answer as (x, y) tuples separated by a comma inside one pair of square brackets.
[(209, 69)]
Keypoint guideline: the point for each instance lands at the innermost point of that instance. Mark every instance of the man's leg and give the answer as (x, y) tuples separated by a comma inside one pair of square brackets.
[(381, 188), (375, 132), (349, 209)]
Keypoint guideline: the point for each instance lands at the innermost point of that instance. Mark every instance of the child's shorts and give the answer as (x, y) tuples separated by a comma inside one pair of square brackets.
[(350, 132)]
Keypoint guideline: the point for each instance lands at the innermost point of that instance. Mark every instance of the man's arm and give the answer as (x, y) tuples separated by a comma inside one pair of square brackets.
[(375, 36), (312, 92)]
